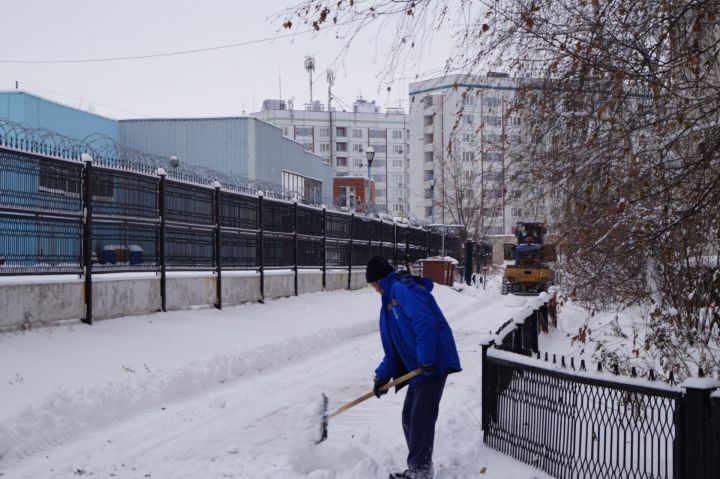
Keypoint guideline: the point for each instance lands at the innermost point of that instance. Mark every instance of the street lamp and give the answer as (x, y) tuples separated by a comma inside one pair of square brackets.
[(432, 199), (370, 155)]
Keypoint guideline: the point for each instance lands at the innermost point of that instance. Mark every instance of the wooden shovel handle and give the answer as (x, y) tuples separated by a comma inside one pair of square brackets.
[(387, 386)]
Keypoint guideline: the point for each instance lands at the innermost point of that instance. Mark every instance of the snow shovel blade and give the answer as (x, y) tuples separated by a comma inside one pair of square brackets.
[(326, 417), (324, 420)]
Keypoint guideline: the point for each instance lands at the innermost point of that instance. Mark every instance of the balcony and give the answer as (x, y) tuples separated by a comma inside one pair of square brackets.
[(428, 147), (428, 129)]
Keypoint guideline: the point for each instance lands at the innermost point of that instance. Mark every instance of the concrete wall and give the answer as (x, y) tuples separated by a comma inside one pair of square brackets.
[(25, 303)]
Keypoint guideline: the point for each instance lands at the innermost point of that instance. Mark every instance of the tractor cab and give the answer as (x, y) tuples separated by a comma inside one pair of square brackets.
[(528, 255)]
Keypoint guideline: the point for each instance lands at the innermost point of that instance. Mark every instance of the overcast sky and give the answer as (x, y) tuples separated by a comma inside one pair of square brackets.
[(216, 83)]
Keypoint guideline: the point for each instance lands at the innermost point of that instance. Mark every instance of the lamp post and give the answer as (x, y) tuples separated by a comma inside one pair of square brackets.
[(370, 155), (432, 199)]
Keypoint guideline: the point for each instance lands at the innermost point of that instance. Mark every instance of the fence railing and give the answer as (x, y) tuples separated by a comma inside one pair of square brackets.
[(572, 423), (60, 216)]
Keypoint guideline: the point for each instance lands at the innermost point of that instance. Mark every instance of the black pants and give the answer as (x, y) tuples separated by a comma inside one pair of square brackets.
[(420, 412)]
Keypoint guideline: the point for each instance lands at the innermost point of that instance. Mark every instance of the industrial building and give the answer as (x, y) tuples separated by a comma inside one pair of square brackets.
[(461, 131), (242, 147), (37, 112), (342, 138)]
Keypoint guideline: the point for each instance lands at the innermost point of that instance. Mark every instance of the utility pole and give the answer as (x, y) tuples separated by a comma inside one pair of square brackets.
[(330, 81)]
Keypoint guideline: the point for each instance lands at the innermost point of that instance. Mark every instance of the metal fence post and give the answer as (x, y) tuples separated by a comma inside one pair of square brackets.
[(261, 253), (350, 260), (218, 247), (87, 235), (518, 337), (324, 248), (161, 255), (714, 427), (395, 244), (489, 388), (427, 234), (370, 255), (468, 261), (698, 450), (407, 248), (295, 243)]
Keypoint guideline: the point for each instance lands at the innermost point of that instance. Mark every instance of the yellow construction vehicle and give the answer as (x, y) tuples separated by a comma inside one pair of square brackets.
[(530, 274)]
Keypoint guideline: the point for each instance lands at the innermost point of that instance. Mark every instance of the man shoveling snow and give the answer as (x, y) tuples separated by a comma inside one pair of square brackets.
[(414, 334)]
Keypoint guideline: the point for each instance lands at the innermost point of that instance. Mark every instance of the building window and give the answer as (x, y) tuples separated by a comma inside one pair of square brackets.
[(347, 197), (428, 211), (466, 138), (341, 161), (398, 193), (397, 148), (493, 156), (357, 147), (427, 101), (357, 162), (492, 120), (303, 131), (324, 147), (357, 133), (516, 121), (324, 132), (397, 207), (468, 119), (341, 131), (397, 178), (468, 99), (397, 163), (429, 175), (468, 156), (491, 102), (380, 148), (286, 131), (376, 133), (340, 146), (397, 134), (308, 147), (379, 178)]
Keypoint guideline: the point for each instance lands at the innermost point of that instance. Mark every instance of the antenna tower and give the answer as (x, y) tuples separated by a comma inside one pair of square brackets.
[(310, 68)]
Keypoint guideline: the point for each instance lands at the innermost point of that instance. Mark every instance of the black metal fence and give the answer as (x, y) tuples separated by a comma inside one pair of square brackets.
[(572, 423), (60, 215)]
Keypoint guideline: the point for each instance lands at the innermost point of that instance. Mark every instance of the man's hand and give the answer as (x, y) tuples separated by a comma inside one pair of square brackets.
[(427, 369), (377, 384)]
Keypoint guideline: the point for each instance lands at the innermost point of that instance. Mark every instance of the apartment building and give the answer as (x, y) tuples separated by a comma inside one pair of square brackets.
[(342, 138), (461, 130)]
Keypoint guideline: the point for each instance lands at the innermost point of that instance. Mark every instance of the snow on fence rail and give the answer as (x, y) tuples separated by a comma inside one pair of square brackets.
[(580, 424)]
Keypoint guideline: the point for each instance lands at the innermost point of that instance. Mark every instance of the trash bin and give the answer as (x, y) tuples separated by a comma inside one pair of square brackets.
[(441, 271), (108, 255), (135, 255)]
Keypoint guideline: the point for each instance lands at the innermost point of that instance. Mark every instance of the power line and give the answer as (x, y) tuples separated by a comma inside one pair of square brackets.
[(158, 55)]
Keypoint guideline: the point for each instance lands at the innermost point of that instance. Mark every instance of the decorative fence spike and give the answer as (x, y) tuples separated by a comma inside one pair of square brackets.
[(582, 365), (616, 369), (651, 375), (572, 363), (633, 372)]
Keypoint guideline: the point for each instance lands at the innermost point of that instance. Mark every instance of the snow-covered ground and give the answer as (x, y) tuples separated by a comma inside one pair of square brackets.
[(233, 394)]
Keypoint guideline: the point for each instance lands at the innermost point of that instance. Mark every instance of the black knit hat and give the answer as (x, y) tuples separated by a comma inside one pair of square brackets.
[(377, 268)]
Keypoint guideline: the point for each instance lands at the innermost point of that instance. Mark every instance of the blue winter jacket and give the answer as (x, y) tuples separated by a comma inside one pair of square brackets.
[(413, 330)]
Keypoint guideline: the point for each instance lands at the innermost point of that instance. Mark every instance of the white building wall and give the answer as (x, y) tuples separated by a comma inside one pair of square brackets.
[(439, 115)]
